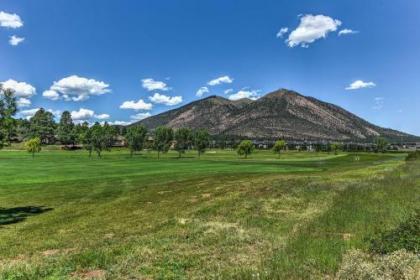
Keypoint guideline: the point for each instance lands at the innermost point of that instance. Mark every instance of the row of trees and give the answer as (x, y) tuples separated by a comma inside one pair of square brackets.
[(246, 147), (164, 138), (98, 138)]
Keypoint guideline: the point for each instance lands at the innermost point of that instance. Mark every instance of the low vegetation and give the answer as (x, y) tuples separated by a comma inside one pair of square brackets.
[(122, 217)]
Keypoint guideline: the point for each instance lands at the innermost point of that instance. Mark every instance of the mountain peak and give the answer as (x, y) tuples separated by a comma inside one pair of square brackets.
[(283, 114)]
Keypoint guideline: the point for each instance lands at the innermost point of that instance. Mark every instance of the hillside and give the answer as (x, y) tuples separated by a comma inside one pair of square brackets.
[(280, 114)]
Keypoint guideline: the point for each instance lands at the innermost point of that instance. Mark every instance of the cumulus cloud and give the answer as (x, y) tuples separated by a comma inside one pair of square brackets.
[(201, 91), (228, 91), (23, 102), (166, 100), (140, 116), (282, 32), (220, 80), (75, 88), (82, 114), (102, 116), (312, 28), (136, 105), (21, 89), (359, 84), (86, 114), (27, 114), (347, 32), (150, 85), (10, 20), (51, 94), (14, 40), (119, 123), (251, 94)]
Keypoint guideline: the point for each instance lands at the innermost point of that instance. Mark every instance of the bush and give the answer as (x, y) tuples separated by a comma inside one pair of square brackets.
[(405, 236), (399, 265), (413, 156)]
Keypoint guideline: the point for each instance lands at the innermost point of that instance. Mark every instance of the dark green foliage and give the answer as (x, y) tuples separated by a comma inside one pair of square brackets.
[(135, 136), (163, 139), (381, 144), (201, 141), (245, 148), (8, 109), (413, 156), (42, 125), (66, 133), (405, 236), (335, 147), (183, 138), (100, 138)]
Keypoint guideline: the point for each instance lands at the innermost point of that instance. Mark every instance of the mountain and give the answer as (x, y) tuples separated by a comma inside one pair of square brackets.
[(281, 114)]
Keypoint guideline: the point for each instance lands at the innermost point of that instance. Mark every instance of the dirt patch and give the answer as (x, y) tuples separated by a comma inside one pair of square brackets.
[(89, 274), (53, 252)]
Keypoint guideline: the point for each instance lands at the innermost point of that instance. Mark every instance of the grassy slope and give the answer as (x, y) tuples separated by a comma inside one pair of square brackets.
[(183, 218)]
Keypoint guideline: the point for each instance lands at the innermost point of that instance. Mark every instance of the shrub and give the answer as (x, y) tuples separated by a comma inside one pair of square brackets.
[(413, 156), (399, 265), (405, 236)]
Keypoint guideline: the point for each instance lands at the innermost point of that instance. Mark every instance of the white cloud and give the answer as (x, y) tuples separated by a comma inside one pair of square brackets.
[(201, 91), (102, 116), (150, 84), (21, 89), (347, 32), (251, 94), (51, 94), (282, 32), (312, 28), (139, 105), (75, 88), (56, 113), (23, 102), (14, 40), (119, 123), (228, 91), (220, 80), (378, 103), (82, 114), (10, 20), (359, 84), (27, 114), (166, 100), (140, 116)]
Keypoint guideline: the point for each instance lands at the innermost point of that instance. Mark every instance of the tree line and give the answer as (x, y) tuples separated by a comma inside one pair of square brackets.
[(41, 129)]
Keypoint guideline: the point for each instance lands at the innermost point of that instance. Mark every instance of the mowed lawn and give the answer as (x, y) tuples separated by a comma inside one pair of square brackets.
[(64, 215)]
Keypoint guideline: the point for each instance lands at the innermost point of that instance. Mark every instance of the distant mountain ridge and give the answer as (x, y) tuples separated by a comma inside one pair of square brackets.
[(281, 114)]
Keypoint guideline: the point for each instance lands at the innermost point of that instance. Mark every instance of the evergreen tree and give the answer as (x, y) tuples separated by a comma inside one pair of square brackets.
[(42, 125), (66, 130), (8, 108)]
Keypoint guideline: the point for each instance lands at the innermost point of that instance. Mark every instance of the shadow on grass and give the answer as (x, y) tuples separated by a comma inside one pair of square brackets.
[(18, 214)]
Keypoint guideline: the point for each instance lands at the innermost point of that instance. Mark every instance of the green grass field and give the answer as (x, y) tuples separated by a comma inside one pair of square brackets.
[(64, 215)]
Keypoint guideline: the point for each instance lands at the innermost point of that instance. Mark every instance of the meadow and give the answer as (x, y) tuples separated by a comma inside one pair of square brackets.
[(64, 215)]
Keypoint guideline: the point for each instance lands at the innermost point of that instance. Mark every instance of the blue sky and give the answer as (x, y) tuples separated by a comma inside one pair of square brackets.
[(120, 60)]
